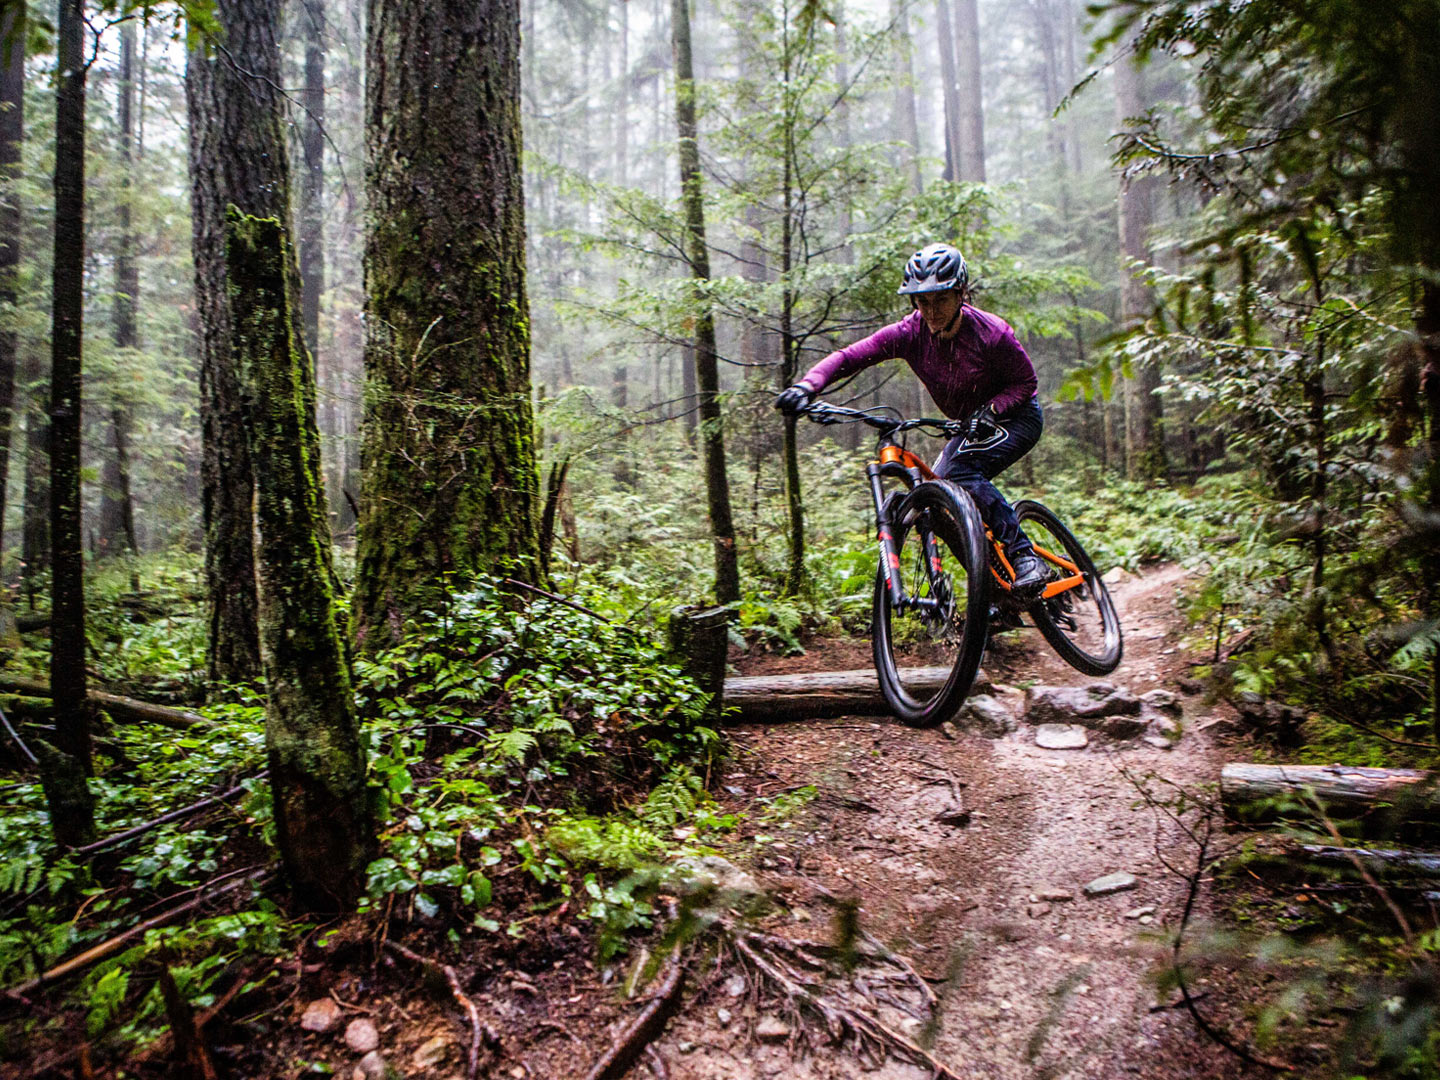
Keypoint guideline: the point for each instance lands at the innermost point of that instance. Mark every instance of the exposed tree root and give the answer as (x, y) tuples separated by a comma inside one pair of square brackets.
[(832, 994), (447, 973), (635, 1040)]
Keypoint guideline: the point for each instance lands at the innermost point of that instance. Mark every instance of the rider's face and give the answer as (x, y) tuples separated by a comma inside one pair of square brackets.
[(938, 309)]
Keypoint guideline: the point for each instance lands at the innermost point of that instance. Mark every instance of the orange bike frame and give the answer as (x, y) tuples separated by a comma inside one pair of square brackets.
[(1055, 588)]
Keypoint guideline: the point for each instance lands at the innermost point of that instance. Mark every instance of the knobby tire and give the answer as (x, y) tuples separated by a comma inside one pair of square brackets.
[(950, 513)]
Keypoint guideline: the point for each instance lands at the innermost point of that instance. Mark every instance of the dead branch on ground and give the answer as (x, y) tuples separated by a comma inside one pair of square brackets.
[(447, 973), (640, 1033)]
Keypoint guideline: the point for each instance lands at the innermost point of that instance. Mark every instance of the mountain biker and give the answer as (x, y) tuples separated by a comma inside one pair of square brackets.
[(973, 367)]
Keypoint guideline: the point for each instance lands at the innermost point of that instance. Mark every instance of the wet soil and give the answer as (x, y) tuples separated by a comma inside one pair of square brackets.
[(1028, 987)]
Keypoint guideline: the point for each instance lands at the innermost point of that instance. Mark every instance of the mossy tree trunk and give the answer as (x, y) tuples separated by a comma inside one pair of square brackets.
[(450, 486), (707, 374), (237, 156), (317, 768)]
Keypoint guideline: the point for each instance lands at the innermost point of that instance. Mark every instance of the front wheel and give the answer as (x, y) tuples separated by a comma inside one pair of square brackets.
[(928, 650), (1078, 619)]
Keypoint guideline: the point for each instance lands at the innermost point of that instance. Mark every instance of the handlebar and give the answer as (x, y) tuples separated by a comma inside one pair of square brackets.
[(822, 412)]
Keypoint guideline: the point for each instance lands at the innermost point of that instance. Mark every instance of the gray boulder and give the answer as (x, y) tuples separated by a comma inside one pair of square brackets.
[(1078, 704), (1162, 700), (710, 882), (986, 715)]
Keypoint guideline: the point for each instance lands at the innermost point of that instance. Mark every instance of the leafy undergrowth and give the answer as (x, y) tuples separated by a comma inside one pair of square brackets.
[(525, 758)]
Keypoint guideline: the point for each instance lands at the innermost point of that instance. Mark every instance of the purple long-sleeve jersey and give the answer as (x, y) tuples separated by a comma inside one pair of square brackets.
[(984, 363)]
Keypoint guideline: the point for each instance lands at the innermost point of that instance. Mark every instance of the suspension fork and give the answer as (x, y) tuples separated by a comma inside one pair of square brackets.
[(889, 555)]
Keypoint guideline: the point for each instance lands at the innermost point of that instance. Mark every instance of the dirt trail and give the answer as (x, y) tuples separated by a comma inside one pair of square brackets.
[(1030, 988)]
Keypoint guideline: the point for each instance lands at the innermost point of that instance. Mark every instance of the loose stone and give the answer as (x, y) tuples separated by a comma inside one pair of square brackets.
[(1061, 737), (1140, 912), (320, 1015), (431, 1052), (361, 1036), (771, 1029), (1111, 883)]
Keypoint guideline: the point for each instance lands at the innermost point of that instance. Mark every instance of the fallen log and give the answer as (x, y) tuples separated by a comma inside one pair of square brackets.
[(28, 621), (1351, 790), (1379, 861), (234, 880), (30, 697), (824, 694)]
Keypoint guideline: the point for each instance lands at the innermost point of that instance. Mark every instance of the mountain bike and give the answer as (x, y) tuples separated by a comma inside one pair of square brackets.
[(944, 580)]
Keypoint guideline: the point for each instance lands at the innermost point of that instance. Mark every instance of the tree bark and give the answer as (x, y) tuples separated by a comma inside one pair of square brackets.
[(117, 507), (971, 128), (67, 584), (12, 134), (312, 175), (237, 157), (35, 537), (950, 88), (1246, 788), (795, 576), (707, 375), (907, 128), (450, 481), (1144, 429), (764, 698), (317, 767)]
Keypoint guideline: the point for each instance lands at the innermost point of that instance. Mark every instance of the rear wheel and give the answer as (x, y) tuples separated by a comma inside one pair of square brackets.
[(1079, 622), (928, 651)]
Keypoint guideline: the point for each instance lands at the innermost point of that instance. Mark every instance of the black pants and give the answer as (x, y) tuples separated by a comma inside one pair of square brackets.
[(974, 466)]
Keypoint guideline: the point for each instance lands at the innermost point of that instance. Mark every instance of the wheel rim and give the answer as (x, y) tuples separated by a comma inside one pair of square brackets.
[(925, 639), (1082, 613)]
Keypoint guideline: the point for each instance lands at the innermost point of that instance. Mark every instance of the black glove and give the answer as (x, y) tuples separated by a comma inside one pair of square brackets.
[(794, 398), (983, 423)]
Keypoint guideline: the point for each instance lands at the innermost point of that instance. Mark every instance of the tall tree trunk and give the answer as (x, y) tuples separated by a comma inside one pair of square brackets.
[(972, 112), (842, 127), (67, 586), (1144, 430), (620, 395), (1068, 33), (312, 175), (12, 133), (1427, 327), (707, 375), (622, 105), (950, 88), (317, 766), (789, 370), (117, 507), (907, 128), (450, 482), (35, 537), (237, 157)]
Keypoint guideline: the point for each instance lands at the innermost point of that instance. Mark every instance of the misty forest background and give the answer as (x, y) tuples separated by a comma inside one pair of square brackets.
[(546, 335)]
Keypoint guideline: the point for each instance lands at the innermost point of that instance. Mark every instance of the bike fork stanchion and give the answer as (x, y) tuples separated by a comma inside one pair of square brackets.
[(889, 557)]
